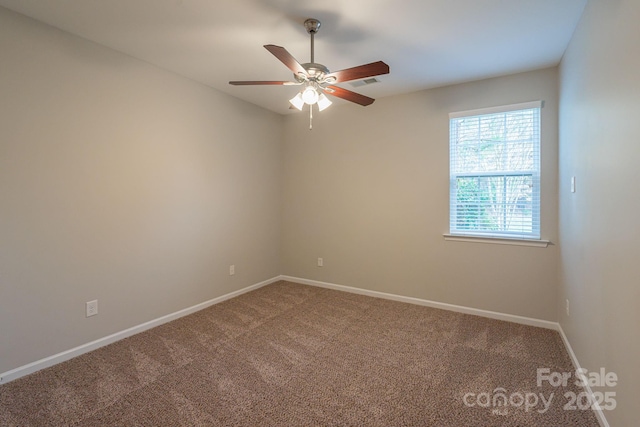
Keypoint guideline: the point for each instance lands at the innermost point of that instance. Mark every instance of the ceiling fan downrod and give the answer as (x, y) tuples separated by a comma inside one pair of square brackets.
[(312, 26)]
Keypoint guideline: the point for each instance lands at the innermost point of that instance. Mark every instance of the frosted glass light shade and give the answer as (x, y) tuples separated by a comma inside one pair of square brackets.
[(297, 101), (323, 102), (310, 95)]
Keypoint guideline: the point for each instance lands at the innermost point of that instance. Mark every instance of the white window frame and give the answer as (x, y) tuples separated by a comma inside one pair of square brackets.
[(498, 236)]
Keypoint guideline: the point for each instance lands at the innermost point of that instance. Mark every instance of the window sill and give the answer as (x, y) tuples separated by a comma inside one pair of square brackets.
[(497, 240)]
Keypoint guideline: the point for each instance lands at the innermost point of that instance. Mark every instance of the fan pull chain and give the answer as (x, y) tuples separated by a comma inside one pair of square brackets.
[(310, 117)]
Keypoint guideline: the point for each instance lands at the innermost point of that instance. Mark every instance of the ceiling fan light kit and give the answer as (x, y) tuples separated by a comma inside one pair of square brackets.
[(317, 80)]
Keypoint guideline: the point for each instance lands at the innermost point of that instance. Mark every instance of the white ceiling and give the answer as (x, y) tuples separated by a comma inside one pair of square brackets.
[(427, 43)]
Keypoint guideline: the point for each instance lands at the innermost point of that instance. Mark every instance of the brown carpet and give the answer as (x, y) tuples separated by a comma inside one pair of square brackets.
[(295, 355)]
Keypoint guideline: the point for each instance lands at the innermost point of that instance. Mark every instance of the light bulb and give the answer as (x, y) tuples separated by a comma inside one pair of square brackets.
[(323, 102), (310, 95)]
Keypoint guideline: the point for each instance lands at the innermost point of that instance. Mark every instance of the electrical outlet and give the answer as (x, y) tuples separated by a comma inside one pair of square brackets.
[(320, 262), (232, 269), (92, 308), (567, 307)]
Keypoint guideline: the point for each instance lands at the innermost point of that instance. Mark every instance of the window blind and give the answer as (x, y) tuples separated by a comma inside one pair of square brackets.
[(495, 171)]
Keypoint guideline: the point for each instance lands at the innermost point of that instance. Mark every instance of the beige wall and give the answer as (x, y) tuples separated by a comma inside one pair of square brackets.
[(368, 190), (600, 236), (124, 183)]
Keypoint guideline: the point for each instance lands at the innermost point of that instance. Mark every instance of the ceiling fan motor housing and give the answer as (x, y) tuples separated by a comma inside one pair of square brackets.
[(315, 72)]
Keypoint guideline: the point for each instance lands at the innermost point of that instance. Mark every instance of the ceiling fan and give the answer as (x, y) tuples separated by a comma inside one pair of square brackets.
[(317, 80)]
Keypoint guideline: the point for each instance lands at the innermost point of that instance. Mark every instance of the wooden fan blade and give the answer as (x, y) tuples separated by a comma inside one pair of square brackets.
[(349, 96), (360, 72), (286, 58), (258, 82)]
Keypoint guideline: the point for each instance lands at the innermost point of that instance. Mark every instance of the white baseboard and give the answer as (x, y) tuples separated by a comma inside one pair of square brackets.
[(427, 303), (598, 412), (85, 348)]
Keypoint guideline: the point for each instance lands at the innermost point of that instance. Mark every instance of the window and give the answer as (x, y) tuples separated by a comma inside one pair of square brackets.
[(495, 172)]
